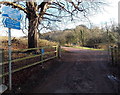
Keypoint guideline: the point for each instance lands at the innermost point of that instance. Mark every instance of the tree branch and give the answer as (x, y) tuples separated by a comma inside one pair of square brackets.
[(57, 16), (51, 19), (62, 7), (14, 5), (75, 6)]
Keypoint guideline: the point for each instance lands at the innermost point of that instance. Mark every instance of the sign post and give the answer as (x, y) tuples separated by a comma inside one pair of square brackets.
[(1, 60), (11, 21), (9, 60)]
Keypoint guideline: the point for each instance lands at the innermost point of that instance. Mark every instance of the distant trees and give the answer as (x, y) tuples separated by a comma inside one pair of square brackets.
[(113, 32), (115, 28), (81, 33), (83, 36), (69, 38)]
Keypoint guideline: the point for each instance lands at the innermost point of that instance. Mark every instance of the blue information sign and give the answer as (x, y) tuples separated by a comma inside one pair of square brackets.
[(42, 51), (9, 23), (12, 17)]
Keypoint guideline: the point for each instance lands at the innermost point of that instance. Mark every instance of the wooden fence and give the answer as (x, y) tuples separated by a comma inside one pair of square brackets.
[(42, 54), (114, 54)]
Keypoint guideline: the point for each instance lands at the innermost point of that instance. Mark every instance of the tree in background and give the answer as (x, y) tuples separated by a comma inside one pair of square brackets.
[(116, 29), (83, 36), (51, 10), (80, 34), (69, 38)]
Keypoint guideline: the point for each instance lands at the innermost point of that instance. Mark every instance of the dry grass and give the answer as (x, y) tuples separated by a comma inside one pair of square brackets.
[(21, 43), (46, 43)]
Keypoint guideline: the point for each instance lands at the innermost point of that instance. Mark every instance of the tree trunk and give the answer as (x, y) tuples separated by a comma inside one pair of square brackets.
[(34, 21), (33, 32)]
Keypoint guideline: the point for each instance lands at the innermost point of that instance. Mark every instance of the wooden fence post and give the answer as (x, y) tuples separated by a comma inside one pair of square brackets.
[(2, 81), (1, 66), (119, 53), (56, 48), (112, 55), (109, 53), (59, 51), (116, 55)]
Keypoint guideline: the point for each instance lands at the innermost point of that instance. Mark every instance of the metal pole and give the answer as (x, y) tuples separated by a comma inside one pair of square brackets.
[(9, 60)]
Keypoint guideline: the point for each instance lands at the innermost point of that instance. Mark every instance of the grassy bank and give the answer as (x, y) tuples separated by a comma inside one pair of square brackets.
[(21, 43), (87, 48), (80, 47)]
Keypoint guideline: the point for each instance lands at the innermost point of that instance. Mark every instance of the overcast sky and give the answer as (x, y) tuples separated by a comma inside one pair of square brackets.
[(110, 14)]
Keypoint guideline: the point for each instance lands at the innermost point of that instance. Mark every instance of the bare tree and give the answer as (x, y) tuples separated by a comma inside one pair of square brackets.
[(51, 10)]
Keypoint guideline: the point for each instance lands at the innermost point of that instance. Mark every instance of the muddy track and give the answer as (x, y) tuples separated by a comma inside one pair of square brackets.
[(80, 71)]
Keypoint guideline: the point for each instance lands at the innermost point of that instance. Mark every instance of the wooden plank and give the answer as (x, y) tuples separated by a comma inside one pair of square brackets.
[(27, 66), (20, 59)]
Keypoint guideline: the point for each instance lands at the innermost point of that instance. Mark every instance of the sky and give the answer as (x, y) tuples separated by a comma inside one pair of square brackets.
[(110, 13)]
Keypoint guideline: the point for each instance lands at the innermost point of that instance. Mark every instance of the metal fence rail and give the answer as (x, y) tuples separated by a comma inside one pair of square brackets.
[(56, 52)]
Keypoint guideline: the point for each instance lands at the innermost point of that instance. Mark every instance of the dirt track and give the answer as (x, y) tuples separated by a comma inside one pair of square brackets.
[(81, 71)]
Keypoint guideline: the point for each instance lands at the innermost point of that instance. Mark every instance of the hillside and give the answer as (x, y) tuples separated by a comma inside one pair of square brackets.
[(21, 43)]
